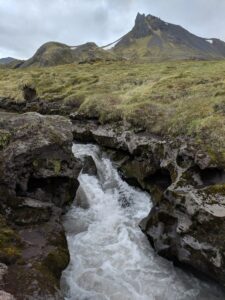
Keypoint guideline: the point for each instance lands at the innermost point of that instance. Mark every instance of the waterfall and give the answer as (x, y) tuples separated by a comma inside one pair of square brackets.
[(111, 259)]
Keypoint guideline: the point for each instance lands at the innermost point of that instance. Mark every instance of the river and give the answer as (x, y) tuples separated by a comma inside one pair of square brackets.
[(111, 259)]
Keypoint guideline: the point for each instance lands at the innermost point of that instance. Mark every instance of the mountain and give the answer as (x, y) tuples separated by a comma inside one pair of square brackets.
[(153, 39), (54, 53), (6, 60)]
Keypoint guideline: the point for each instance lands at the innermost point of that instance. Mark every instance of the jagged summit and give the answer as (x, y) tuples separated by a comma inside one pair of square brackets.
[(144, 25), (153, 39), (141, 27)]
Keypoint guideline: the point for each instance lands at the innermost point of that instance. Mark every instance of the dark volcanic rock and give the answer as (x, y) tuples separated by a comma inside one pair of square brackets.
[(141, 28), (89, 166), (32, 103), (38, 178), (187, 221)]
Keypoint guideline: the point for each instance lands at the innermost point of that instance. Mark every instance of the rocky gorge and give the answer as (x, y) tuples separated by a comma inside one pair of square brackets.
[(39, 180), (112, 168), (186, 223)]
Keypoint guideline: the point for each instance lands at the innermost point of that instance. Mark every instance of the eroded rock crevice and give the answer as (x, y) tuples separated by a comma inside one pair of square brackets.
[(161, 178), (212, 176)]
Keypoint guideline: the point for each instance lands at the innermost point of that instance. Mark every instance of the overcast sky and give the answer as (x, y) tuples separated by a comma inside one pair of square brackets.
[(27, 24)]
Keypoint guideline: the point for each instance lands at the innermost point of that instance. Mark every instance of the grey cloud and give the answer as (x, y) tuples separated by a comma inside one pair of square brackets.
[(25, 24)]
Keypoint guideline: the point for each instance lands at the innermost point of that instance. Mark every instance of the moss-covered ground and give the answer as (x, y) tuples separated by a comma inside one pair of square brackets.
[(168, 98)]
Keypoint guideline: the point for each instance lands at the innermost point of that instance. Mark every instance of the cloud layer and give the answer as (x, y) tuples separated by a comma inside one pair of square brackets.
[(25, 24)]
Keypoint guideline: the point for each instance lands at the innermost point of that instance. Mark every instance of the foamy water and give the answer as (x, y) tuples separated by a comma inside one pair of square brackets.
[(111, 259)]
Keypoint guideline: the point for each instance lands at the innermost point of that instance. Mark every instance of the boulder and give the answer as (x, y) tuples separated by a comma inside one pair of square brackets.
[(187, 224), (89, 166), (38, 179)]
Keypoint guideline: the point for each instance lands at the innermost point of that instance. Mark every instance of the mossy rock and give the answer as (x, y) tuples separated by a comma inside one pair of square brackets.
[(4, 138), (57, 166), (218, 189), (10, 243), (57, 261)]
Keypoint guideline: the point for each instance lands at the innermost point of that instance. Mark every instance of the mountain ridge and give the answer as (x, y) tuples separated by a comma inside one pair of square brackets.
[(151, 39), (162, 40), (55, 53)]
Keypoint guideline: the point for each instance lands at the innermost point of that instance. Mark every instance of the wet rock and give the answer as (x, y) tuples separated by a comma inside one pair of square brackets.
[(187, 225), (117, 137), (38, 178), (89, 166), (32, 211)]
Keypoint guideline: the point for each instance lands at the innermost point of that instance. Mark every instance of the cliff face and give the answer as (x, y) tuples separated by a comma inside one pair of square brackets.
[(153, 39), (187, 221), (37, 180)]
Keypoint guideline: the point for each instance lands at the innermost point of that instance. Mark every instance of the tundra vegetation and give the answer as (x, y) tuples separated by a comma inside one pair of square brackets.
[(166, 98)]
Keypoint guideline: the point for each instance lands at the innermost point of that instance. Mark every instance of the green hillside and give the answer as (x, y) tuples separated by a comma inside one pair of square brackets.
[(54, 54), (50, 54), (185, 99)]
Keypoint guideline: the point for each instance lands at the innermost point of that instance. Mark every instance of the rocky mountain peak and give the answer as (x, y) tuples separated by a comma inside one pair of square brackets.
[(141, 27), (154, 39), (144, 25)]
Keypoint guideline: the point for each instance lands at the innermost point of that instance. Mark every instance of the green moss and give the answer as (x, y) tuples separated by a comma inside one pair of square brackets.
[(36, 280), (4, 138), (35, 164), (57, 261), (10, 243), (57, 166), (215, 189), (54, 164)]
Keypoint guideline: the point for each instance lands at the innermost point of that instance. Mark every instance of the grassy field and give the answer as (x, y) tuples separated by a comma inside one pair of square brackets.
[(172, 98)]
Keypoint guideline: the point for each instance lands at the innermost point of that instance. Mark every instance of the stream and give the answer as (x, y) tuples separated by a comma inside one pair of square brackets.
[(111, 259)]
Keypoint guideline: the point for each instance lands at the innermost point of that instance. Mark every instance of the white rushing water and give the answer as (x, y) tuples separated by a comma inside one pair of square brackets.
[(111, 259)]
